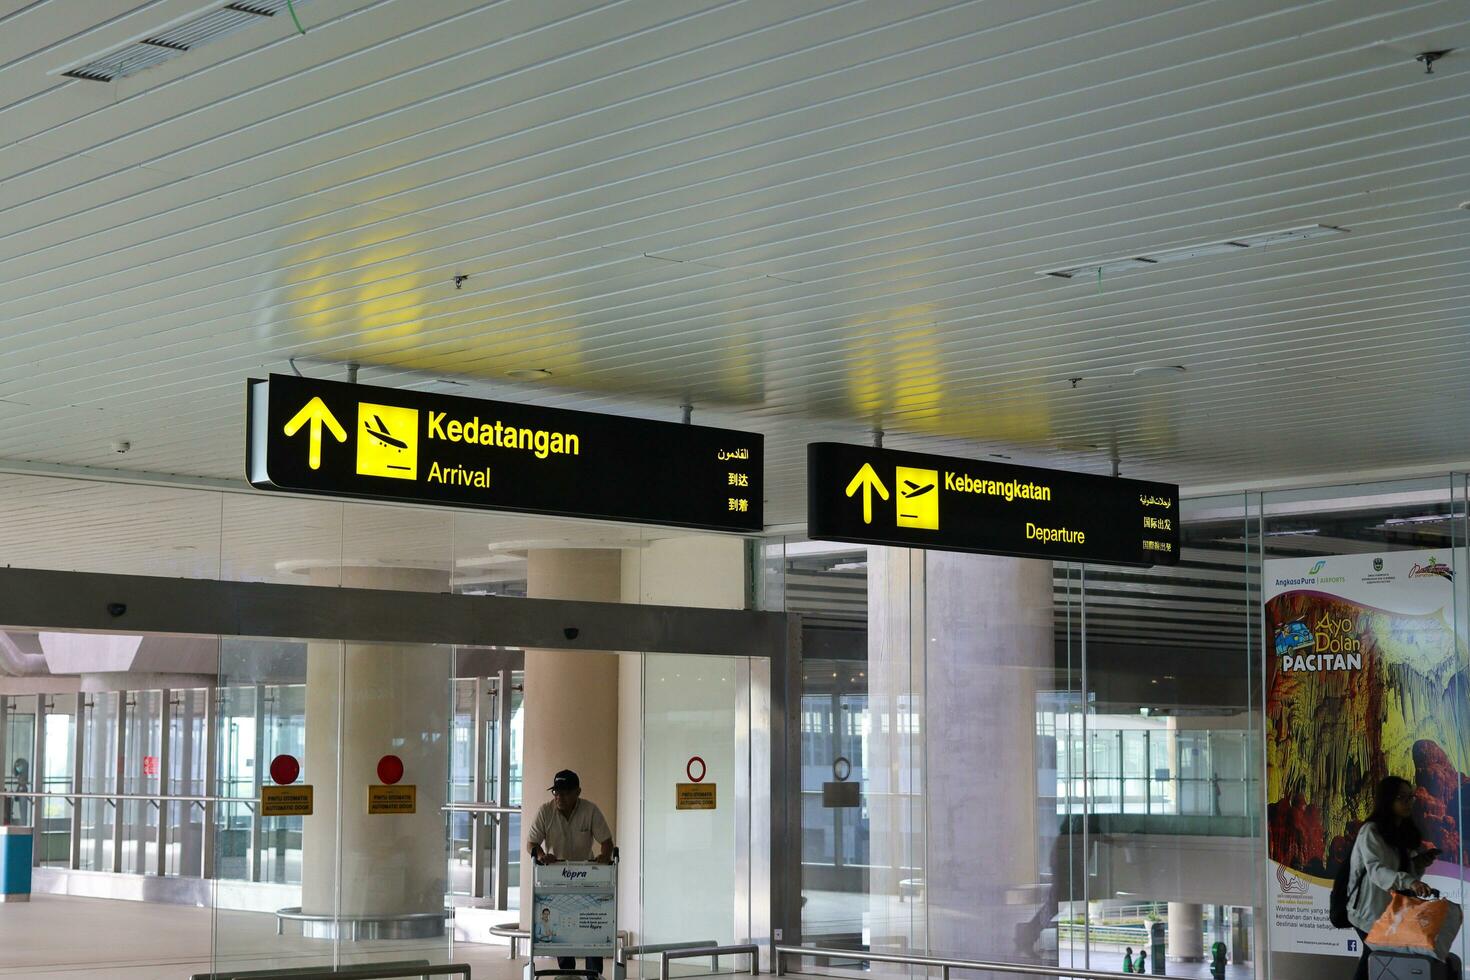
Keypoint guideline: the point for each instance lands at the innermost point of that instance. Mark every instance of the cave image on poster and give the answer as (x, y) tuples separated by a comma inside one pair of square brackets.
[(1365, 678)]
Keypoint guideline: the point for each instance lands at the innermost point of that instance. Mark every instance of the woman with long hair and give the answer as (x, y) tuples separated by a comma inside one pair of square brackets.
[(1387, 858)]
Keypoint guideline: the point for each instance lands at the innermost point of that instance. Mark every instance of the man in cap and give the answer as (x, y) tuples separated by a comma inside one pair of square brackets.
[(565, 830)]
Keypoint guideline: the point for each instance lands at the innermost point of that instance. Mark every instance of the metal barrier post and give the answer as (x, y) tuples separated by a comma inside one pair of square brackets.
[(713, 952), (944, 965), (355, 973)]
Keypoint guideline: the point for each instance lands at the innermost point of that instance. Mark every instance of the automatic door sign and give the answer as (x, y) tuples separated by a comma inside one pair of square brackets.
[(839, 792), (695, 794), (393, 799), (914, 500), (348, 440), (389, 796), (284, 799)]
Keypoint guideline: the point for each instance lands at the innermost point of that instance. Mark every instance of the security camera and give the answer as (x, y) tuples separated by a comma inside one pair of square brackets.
[(571, 632), (121, 446), (116, 609)]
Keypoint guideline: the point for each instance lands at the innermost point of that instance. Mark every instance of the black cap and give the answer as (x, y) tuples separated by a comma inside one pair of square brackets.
[(566, 779)]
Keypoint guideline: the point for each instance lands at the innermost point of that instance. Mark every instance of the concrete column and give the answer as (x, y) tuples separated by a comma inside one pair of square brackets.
[(364, 701), (1186, 932), (571, 700), (981, 632)]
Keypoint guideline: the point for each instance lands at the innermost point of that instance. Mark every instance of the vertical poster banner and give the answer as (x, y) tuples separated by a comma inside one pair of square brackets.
[(1365, 678), (574, 910)]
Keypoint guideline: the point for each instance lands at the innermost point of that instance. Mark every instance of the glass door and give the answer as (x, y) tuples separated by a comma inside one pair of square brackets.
[(358, 876), (414, 755), (484, 792), (688, 875)]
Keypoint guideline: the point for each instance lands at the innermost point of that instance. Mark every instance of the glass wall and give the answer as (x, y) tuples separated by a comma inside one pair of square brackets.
[(1198, 760), (999, 759), (1028, 761), (154, 794)]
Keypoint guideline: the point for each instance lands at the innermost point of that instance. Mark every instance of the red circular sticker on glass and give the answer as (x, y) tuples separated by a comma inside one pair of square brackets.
[(285, 769), (689, 770), (390, 770)]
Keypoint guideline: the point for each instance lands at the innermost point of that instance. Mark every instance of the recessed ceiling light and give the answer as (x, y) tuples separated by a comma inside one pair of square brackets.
[(1158, 370), (529, 374), (1145, 260)]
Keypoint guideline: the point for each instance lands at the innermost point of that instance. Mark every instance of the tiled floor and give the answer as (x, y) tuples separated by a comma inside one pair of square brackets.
[(54, 938)]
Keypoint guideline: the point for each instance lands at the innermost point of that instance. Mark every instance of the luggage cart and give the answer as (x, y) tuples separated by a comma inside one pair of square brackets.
[(574, 913)]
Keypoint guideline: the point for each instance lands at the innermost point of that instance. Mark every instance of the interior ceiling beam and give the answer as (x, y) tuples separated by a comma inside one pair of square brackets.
[(89, 601)]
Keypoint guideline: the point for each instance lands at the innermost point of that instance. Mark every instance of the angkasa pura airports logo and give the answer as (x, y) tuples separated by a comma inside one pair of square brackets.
[(1313, 577)]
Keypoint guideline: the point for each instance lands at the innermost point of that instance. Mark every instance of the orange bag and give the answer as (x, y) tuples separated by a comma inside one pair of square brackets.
[(1426, 926)]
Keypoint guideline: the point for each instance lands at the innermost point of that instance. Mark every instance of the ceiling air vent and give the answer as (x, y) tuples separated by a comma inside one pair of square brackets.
[(1234, 245), (168, 42)]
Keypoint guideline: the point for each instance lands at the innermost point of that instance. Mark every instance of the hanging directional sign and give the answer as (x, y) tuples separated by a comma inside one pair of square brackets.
[(913, 500), (349, 440)]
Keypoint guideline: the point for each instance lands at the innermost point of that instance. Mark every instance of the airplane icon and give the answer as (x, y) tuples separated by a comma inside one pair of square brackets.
[(382, 434), (918, 497), (914, 490), (388, 443)]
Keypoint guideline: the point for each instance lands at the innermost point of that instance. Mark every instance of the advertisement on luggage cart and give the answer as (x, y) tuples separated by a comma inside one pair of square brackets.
[(574, 910), (1365, 678)]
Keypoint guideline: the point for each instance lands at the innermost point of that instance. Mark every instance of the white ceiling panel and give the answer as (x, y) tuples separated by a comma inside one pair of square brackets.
[(808, 218)]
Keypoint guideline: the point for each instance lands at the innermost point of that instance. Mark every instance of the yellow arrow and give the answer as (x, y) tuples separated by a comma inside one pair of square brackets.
[(868, 481), (318, 414)]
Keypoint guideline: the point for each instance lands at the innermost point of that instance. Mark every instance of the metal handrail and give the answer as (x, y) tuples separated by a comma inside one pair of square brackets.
[(945, 965), (363, 973), (480, 808), (143, 797), (714, 953), (514, 932), (649, 949)]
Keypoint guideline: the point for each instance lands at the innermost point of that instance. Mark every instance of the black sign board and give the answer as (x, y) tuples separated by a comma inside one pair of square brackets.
[(349, 440), (913, 500)]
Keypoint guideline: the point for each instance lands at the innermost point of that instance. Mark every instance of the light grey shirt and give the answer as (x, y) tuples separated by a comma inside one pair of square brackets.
[(569, 838), (1374, 873)]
